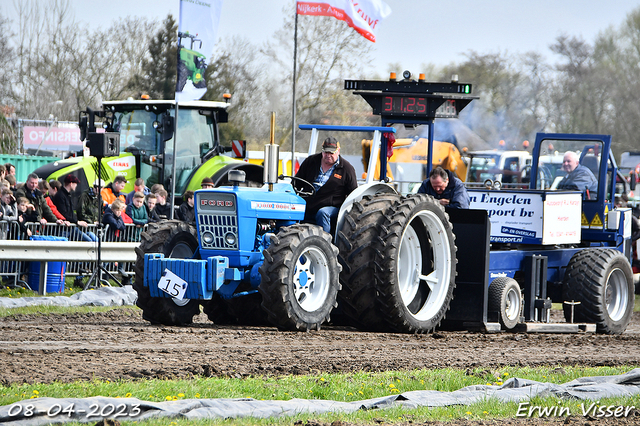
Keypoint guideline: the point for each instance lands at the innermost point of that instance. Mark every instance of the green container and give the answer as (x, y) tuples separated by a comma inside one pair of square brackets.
[(25, 164)]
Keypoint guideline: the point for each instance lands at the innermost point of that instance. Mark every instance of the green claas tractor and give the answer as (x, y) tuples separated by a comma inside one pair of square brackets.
[(191, 64), (146, 147)]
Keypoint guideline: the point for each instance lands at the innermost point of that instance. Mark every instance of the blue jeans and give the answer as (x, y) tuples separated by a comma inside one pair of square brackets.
[(76, 234), (324, 217)]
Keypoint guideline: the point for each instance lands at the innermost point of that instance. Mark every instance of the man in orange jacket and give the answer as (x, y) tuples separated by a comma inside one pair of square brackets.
[(113, 191)]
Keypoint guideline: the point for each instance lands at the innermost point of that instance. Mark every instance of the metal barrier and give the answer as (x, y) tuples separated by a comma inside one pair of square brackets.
[(11, 270)]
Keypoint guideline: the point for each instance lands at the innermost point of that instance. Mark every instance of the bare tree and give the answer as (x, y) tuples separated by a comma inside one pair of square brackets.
[(328, 52), (236, 70)]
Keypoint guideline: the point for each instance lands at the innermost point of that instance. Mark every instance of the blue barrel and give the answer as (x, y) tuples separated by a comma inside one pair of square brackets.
[(55, 270)]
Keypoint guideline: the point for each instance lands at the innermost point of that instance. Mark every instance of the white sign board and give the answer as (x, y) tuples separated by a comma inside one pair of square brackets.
[(562, 214), (530, 217)]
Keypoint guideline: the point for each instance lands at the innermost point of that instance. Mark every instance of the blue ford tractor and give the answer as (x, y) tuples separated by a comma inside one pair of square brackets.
[(402, 263)]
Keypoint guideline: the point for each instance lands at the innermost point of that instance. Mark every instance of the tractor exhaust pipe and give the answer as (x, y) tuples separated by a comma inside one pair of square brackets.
[(271, 157)]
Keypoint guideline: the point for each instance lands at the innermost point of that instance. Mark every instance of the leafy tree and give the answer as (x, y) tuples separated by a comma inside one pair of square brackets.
[(617, 57), (158, 77)]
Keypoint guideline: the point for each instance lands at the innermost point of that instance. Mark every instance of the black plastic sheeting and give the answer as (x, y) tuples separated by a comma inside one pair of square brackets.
[(44, 411)]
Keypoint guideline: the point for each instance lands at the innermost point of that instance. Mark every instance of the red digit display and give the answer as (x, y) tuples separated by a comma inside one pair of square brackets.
[(415, 106)]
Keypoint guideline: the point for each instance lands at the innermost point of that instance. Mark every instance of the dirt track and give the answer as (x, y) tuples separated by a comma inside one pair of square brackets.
[(120, 345)]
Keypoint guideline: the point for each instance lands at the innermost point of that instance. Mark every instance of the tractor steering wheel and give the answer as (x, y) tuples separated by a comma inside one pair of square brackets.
[(301, 191)]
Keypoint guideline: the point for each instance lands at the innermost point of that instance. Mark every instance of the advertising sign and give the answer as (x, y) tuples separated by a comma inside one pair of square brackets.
[(531, 217), (57, 139)]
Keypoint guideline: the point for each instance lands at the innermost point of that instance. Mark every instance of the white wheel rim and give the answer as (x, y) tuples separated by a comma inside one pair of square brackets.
[(410, 266), (616, 294), (311, 279), (512, 308)]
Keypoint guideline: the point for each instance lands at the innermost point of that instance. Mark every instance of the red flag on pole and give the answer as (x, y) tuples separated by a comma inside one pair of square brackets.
[(361, 15)]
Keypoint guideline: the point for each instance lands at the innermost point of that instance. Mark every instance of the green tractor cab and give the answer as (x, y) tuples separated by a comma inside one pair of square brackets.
[(146, 129)]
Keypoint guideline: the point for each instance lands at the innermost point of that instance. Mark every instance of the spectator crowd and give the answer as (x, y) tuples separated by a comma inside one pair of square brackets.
[(38, 201)]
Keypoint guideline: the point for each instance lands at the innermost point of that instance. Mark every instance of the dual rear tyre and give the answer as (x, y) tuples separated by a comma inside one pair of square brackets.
[(602, 281), (398, 257)]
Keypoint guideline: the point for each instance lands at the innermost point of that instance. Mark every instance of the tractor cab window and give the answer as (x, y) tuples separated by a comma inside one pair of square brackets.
[(570, 165), (196, 137)]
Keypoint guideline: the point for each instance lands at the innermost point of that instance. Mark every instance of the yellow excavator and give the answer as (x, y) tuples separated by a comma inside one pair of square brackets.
[(409, 152)]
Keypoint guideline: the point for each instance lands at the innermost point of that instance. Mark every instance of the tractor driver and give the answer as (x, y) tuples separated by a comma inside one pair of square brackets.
[(445, 187), (333, 178), (578, 177)]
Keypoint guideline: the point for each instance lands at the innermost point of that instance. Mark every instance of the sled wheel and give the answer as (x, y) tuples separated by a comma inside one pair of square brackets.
[(602, 281), (175, 239), (300, 277), (505, 298), (415, 268), (183, 75), (358, 242)]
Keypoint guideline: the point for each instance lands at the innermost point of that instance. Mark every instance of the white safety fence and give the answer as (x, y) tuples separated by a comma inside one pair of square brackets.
[(17, 250)]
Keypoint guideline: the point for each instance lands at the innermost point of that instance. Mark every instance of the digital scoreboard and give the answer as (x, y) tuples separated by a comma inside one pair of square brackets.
[(413, 101)]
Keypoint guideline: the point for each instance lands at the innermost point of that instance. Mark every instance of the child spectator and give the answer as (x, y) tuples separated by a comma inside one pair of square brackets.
[(163, 209), (8, 208), (113, 218), (138, 213), (156, 187), (152, 200), (186, 212), (138, 186), (26, 214), (8, 213)]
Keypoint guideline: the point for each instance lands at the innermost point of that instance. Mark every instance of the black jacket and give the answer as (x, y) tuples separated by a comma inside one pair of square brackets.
[(186, 213), (37, 199), (62, 200), (163, 212), (334, 192)]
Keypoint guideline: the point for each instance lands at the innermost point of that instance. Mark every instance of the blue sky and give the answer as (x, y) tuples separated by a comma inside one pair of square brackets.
[(416, 32)]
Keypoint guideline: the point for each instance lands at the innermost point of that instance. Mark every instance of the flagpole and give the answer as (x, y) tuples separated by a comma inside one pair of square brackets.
[(293, 107), (173, 161)]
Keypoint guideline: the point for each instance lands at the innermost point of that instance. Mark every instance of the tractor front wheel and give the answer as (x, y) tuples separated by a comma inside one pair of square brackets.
[(175, 239), (300, 278)]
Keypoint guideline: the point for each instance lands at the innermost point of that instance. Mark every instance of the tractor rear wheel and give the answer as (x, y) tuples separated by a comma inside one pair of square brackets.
[(602, 281), (358, 242), (183, 75), (505, 298), (300, 278), (175, 239), (416, 266)]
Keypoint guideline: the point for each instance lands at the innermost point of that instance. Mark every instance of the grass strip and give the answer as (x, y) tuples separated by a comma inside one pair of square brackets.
[(340, 387)]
